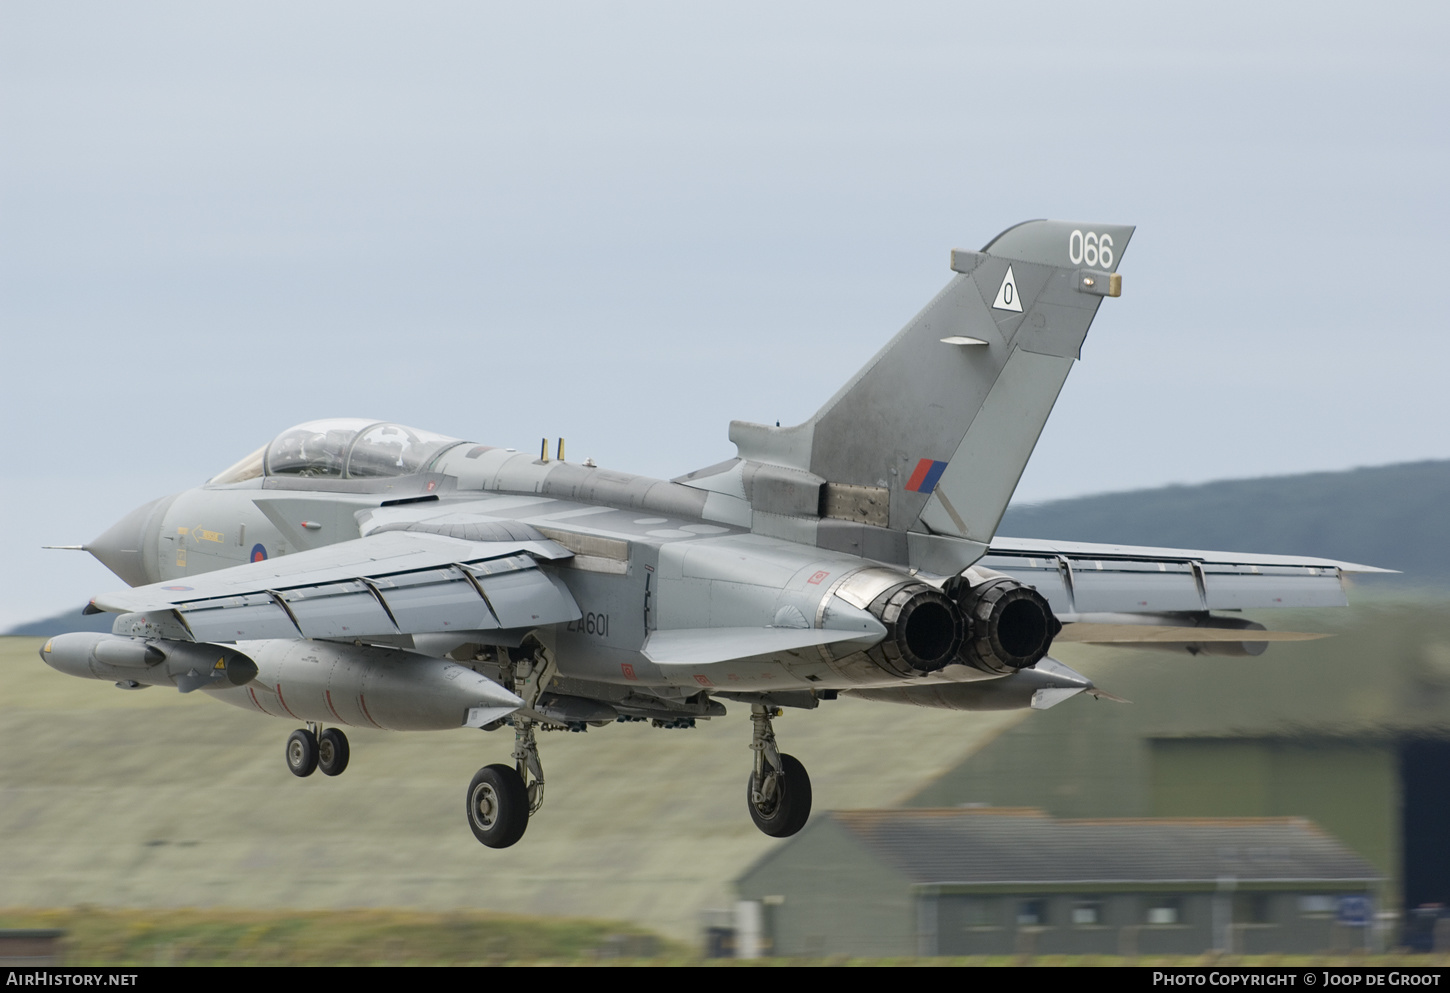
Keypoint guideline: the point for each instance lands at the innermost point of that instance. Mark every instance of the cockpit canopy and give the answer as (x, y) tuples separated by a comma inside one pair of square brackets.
[(341, 448)]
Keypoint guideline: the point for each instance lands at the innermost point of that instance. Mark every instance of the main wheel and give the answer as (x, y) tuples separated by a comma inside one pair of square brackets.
[(498, 806), (332, 752), (785, 799), (302, 752)]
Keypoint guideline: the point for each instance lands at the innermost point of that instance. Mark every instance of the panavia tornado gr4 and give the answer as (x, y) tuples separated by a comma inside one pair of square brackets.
[(361, 573)]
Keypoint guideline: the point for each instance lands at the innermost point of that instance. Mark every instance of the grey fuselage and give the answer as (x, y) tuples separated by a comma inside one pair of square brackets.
[(650, 557)]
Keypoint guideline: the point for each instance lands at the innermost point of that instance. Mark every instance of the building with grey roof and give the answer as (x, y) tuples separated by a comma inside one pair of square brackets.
[(993, 881), (1350, 732)]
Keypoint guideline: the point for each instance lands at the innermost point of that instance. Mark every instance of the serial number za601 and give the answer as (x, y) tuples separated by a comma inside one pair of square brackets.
[(590, 624)]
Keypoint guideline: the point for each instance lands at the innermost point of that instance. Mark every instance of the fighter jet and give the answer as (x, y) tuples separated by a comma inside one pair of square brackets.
[(357, 573)]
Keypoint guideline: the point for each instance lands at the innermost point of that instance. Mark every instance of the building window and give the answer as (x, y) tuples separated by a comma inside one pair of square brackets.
[(1032, 913), (1086, 913), (1164, 910)]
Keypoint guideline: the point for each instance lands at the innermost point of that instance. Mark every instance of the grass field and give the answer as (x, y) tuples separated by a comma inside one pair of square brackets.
[(151, 800), (189, 937)]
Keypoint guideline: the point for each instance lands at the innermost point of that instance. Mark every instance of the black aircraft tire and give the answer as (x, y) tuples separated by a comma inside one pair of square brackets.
[(332, 752), (498, 806), (792, 806), (302, 752)]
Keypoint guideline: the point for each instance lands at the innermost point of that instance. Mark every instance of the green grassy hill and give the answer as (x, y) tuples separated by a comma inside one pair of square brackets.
[(66, 620)]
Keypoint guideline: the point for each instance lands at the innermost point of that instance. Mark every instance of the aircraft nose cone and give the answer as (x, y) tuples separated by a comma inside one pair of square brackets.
[(122, 548)]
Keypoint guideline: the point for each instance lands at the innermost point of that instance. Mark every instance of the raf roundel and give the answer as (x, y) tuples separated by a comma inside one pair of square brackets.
[(259, 552)]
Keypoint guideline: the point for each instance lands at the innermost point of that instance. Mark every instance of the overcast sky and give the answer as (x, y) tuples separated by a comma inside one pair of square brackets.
[(629, 223)]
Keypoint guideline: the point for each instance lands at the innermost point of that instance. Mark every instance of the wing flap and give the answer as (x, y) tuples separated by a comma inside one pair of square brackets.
[(1234, 587), (1128, 585), (522, 598), (435, 600), (334, 610), (240, 618)]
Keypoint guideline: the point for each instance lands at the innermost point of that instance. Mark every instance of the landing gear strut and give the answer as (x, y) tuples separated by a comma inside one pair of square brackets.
[(779, 790), (311, 748), (501, 799)]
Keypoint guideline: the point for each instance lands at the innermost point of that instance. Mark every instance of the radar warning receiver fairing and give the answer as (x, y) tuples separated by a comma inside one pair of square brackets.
[(361, 573)]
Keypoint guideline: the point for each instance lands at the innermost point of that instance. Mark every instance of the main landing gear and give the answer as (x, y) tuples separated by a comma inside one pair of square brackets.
[(311, 749), (779, 790), (501, 799)]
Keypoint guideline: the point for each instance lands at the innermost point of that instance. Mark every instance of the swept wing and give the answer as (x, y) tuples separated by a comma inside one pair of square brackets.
[(387, 583)]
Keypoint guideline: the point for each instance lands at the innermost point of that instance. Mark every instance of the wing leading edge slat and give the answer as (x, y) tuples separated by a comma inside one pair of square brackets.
[(445, 584), (1080, 578)]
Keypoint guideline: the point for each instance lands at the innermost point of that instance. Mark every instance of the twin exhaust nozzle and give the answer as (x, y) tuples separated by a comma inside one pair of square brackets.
[(994, 624)]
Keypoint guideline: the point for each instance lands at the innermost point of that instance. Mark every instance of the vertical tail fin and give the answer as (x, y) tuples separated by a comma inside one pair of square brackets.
[(939, 425)]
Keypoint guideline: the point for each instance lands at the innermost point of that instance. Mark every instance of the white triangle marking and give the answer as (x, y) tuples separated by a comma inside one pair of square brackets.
[(1007, 298)]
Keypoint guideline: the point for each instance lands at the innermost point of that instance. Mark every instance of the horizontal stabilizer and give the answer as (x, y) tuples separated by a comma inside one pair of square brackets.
[(705, 646), (1044, 685)]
